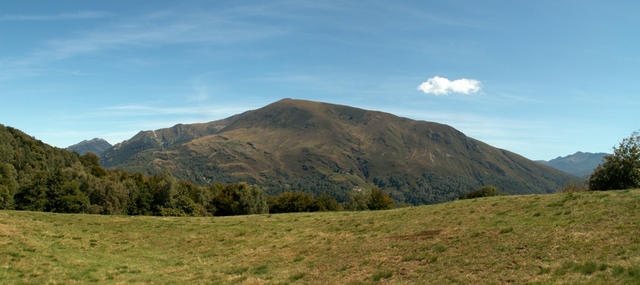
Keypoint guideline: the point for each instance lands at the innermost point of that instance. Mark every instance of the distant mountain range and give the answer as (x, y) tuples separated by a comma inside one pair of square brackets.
[(579, 164), (96, 146), (297, 145)]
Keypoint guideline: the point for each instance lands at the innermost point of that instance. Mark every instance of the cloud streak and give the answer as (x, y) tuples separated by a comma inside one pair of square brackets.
[(443, 86), (81, 15), (142, 110), (152, 30)]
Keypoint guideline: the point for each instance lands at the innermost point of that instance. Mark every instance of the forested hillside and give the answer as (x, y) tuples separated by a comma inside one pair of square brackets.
[(35, 176)]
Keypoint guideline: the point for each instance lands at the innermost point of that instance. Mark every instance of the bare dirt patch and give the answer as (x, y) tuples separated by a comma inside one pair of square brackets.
[(419, 235)]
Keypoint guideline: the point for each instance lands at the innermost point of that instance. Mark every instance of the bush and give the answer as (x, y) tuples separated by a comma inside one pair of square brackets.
[(378, 200), (621, 170), (238, 199), (328, 203), (357, 200), (485, 191), (8, 185), (6, 199), (288, 202), (373, 199)]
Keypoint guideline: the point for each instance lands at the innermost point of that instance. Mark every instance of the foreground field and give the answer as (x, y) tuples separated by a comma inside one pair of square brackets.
[(585, 237)]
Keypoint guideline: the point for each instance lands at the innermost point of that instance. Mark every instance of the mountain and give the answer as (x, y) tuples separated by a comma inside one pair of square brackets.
[(579, 164), (35, 176), (96, 146), (297, 145)]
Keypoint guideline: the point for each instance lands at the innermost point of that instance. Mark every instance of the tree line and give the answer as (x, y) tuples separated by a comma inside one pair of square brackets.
[(38, 177)]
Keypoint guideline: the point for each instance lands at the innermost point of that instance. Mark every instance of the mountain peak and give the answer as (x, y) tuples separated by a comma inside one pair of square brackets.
[(579, 163), (96, 146)]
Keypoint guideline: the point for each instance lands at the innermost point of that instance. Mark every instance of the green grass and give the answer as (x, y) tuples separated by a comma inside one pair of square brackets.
[(591, 237)]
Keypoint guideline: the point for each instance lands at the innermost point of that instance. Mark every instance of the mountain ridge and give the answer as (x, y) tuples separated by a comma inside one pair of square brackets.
[(580, 163), (300, 145)]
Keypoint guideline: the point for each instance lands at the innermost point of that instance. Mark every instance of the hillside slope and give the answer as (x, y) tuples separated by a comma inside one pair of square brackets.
[(580, 163), (38, 177), (318, 147), (578, 238), (96, 146)]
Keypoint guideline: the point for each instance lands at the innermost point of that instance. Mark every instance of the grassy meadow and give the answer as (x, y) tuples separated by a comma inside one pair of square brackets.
[(591, 237)]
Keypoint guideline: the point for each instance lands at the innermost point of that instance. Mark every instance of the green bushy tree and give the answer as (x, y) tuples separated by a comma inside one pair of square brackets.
[(485, 191), (328, 203), (621, 170), (357, 200), (289, 202), (378, 200), (237, 199), (368, 199), (8, 185)]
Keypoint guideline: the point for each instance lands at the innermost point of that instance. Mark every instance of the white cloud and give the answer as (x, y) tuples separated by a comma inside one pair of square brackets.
[(443, 86)]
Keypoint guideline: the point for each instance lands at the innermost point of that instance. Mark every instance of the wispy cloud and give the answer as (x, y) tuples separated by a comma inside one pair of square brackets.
[(152, 30), (81, 15), (142, 110), (443, 86)]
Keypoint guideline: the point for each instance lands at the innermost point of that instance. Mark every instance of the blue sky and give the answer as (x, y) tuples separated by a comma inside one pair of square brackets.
[(539, 78)]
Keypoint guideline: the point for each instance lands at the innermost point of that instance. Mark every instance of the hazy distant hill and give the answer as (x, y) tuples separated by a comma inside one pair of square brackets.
[(318, 147), (579, 163), (97, 146)]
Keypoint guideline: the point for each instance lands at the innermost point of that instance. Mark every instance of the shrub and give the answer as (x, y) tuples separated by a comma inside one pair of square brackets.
[(357, 200), (238, 199), (485, 191), (368, 199), (288, 202), (378, 200), (6, 199), (328, 203), (8, 185)]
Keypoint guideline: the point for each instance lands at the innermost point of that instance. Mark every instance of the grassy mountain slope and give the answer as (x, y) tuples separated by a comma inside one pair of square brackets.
[(96, 146), (590, 237), (318, 147), (580, 163)]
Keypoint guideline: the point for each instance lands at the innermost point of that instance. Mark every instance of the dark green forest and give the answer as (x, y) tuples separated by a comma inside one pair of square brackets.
[(37, 177)]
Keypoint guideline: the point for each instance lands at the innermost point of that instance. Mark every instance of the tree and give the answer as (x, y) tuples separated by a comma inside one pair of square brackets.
[(357, 200), (6, 199), (485, 191), (8, 185), (378, 200), (621, 170), (328, 203), (368, 199), (237, 199), (289, 202)]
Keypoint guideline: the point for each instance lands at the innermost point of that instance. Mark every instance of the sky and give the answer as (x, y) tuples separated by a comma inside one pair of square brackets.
[(539, 78)]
